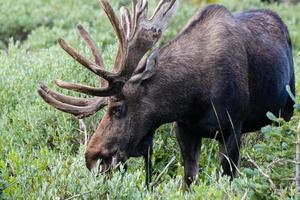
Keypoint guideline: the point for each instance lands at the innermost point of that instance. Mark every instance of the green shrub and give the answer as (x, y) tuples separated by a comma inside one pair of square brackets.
[(41, 149)]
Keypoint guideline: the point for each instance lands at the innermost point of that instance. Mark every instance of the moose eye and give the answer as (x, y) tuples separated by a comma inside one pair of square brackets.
[(116, 111)]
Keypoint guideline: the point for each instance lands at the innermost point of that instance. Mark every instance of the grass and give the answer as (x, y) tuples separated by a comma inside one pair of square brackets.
[(41, 149)]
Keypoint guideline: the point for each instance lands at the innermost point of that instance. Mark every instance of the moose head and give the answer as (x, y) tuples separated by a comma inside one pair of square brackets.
[(127, 127)]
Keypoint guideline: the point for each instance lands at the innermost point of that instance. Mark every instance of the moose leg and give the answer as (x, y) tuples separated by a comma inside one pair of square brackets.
[(190, 145), (229, 152)]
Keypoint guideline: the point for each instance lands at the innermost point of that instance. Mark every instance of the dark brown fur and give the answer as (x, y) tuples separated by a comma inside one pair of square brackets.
[(217, 78)]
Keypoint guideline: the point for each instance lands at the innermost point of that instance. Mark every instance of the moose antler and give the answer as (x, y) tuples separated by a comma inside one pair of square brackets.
[(136, 35)]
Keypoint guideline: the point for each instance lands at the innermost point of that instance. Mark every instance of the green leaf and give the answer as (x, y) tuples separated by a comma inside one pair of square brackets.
[(272, 117)]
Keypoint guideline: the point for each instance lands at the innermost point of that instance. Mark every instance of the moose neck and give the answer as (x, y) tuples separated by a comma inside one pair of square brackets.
[(187, 68), (168, 88)]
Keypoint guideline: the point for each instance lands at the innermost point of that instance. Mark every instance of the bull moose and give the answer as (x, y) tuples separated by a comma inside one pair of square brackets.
[(216, 79)]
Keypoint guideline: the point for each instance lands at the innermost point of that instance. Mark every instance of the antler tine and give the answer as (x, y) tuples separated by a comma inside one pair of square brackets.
[(170, 6), (101, 92), (158, 7), (133, 17), (139, 10), (122, 53), (126, 20), (88, 39), (160, 18), (67, 99), (159, 11), (98, 58), (85, 62), (78, 111), (114, 20), (142, 9)]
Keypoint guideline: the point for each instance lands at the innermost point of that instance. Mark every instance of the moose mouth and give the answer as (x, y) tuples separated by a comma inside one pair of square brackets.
[(115, 161), (106, 163), (109, 164)]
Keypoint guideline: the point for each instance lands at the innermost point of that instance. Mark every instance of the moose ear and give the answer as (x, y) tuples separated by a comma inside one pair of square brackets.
[(146, 68)]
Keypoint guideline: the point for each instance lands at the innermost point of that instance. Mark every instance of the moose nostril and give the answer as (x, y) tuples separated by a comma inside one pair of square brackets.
[(91, 159), (90, 163)]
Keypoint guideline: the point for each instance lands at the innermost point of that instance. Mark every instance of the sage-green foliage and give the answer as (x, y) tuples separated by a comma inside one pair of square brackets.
[(41, 149)]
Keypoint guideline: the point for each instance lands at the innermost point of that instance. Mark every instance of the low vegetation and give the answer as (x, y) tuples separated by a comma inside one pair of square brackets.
[(41, 149)]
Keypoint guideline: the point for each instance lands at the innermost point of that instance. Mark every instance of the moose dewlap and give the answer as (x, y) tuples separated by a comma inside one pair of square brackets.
[(216, 79)]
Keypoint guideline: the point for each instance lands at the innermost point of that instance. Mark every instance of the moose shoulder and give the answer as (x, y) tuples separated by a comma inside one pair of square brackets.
[(215, 79)]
